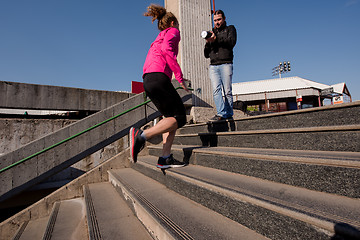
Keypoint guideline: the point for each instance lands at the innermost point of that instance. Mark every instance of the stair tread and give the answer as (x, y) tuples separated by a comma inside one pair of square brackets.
[(325, 138), (281, 130), (196, 220), (35, 229), (336, 158), (70, 221), (325, 206), (114, 217)]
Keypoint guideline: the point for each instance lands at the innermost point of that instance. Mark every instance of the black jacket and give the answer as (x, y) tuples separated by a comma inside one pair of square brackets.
[(221, 51)]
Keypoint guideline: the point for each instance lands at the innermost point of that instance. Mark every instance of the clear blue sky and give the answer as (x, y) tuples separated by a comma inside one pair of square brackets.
[(102, 44)]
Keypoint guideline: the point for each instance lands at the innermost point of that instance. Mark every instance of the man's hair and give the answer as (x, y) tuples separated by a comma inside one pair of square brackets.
[(164, 18), (217, 12)]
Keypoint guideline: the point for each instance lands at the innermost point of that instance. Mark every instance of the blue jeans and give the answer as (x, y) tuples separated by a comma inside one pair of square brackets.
[(221, 81)]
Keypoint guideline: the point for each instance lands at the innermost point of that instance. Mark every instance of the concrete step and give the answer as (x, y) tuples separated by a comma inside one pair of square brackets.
[(328, 138), (263, 206), (325, 171), (33, 230), (109, 217), (335, 115), (67, 221), (168, 215)]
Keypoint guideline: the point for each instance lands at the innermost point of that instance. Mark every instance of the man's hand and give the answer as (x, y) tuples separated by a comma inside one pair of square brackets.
[(212, 38)]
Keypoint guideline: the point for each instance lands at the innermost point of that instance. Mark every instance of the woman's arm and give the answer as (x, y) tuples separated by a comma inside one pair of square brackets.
[(169, 47)]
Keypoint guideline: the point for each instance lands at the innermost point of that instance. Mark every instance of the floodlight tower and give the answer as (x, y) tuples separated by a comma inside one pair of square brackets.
[(283, 67)]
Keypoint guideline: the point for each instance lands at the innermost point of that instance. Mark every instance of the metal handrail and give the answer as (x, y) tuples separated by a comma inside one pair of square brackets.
[(74, 136)]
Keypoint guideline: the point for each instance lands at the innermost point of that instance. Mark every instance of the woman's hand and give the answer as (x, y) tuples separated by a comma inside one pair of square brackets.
[(184, 86)]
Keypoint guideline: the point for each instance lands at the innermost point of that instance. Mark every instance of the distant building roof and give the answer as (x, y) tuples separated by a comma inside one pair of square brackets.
[(340, 88), (275, 85), (282, 88)]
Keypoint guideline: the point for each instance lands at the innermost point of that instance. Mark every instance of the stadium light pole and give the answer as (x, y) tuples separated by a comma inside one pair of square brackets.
[(283, 67)]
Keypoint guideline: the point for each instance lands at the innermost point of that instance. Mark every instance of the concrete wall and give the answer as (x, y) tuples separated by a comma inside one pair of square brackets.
[(15, 133), (85, 165), (33, 96)]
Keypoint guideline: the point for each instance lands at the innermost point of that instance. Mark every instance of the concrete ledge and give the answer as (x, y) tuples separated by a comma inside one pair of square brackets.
[(203, 114), (43, 97)]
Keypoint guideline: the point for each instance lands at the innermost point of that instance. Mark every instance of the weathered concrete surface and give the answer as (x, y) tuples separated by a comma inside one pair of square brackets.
[(19, 132), (203, 114), (54, 160), (15, 133), (43, 97), (86, 164)]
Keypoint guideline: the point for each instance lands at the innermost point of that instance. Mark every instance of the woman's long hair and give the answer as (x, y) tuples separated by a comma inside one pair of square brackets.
[(159, 13)]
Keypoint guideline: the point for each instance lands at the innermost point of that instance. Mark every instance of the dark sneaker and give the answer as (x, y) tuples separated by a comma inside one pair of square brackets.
[(169, 162), (216, 118), (137, 143)]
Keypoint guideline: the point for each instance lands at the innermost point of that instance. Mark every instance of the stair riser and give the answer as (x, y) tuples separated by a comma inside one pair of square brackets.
[(338, 180), (264, 221), (308, 118), (319, 141)]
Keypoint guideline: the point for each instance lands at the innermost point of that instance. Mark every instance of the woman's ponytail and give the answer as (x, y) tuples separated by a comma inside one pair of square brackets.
[(159, 13)]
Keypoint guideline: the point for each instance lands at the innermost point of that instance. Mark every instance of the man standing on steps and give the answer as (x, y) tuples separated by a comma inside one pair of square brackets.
[(219, 48)]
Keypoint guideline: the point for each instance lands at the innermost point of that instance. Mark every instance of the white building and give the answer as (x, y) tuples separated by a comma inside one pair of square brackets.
[(282, 94)]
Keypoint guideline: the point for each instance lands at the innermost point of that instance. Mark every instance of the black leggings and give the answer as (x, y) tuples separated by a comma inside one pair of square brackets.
[(162, 93)]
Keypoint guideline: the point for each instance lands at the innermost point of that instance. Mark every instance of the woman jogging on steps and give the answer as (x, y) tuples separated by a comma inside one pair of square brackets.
[(159, 65)]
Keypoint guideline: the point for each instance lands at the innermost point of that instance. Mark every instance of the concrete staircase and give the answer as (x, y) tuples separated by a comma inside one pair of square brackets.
[(292, 175)]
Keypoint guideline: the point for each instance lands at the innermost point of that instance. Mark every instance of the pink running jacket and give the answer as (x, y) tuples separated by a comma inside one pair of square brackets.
[(162, 54)]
